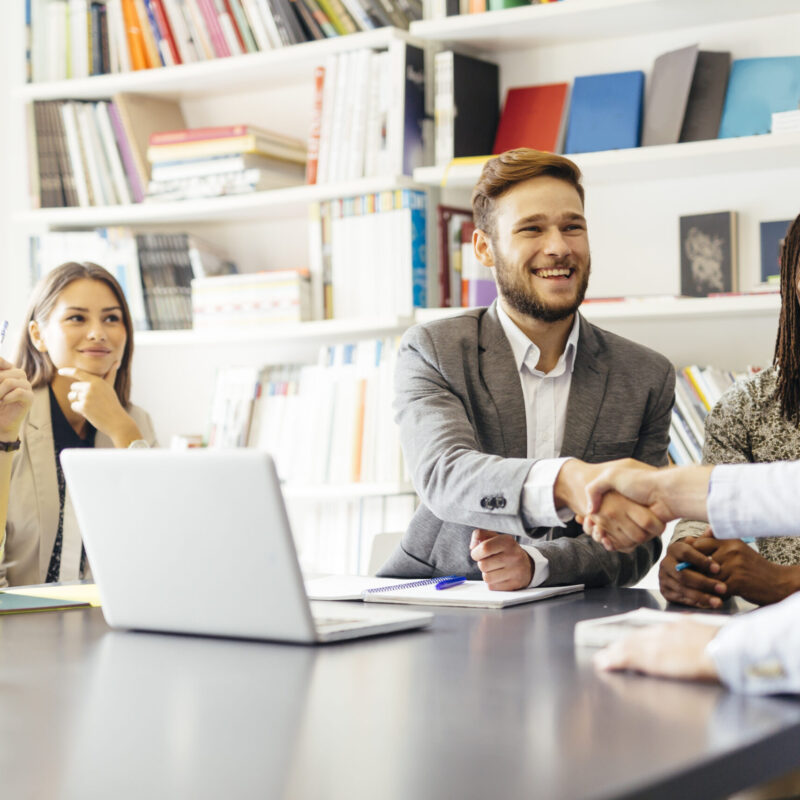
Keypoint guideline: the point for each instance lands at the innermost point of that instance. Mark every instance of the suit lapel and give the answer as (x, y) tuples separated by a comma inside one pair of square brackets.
[(501, 379), (586, 394), (39, 442)]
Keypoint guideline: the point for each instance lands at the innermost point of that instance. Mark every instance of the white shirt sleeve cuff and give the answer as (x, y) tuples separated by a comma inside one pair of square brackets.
[(541, 566), (538, 505)]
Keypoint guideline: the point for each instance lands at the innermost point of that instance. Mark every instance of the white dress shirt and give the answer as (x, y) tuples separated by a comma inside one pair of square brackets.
[(755, 500), (545, 395), (760, 652)]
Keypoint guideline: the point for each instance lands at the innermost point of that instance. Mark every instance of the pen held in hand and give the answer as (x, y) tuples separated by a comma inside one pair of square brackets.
[(3, 331), (681, 566)]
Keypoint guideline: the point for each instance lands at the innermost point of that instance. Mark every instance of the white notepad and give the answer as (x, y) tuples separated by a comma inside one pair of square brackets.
[(605, 630), (474, 594)]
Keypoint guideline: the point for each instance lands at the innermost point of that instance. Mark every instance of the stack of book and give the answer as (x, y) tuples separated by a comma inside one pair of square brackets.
[(78, 38), (366, 123), (208, 162), (697, 391), (155, 270), (368, 255), (233, 302)]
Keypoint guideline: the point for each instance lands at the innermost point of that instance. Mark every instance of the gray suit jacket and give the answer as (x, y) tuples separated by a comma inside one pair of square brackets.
[(459, 405)]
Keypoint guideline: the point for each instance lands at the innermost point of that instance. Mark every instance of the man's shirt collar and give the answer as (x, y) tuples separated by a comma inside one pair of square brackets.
[(527, 354)]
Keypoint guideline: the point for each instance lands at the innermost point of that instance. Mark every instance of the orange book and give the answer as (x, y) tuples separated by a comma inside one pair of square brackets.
[(358, 440), (134, 35), (312, 160), (532, 117)]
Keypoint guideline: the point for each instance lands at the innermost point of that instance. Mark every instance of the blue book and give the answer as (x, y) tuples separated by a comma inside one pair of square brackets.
[(415, 201), (756, 89), (605, 112), (772, 236)]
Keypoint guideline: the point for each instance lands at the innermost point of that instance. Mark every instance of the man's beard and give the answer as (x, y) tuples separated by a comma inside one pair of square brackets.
[(526, 300)]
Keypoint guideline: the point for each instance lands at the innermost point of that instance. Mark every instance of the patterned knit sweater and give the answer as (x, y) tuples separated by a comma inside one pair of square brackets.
[(746, 425)]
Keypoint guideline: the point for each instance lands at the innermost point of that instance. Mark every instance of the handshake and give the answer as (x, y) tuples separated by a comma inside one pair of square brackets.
[(622, 504)]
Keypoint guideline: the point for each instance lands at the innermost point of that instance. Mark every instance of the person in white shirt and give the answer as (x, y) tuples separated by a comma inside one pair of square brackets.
[(758, 652)]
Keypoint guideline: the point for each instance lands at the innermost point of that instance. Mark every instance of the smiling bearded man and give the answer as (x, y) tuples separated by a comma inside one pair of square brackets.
[(505, 411)]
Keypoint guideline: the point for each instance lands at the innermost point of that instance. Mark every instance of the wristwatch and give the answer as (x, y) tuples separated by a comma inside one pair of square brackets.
[(8, 447)]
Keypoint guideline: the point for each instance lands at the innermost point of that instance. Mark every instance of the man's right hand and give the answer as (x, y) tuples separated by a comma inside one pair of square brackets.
[(630, 523), (696, 586)]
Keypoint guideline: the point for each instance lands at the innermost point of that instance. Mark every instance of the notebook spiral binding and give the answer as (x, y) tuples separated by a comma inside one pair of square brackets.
[(411, 585)]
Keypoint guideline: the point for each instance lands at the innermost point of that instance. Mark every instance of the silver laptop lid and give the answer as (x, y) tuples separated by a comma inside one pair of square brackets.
[(193, 541)]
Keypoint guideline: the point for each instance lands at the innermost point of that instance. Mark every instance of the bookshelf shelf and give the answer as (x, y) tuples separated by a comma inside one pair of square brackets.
[(635, 308), (254, 71), (346, 491), (581, 20), (289, 202), (662, 308), (322, 331), (690, 159)]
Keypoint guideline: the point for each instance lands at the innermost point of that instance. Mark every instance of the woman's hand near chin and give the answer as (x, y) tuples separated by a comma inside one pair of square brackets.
[(16, 396), (94, 398)]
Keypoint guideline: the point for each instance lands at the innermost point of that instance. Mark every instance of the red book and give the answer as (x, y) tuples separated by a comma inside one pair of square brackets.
[(214, 28), (532, 117), (316, 123), (165, 29), (198, 134)]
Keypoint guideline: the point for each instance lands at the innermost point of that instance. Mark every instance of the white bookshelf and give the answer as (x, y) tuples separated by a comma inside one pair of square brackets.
[(574, 21), (311, 333), (662, 162), (290, 202), (254, 71)]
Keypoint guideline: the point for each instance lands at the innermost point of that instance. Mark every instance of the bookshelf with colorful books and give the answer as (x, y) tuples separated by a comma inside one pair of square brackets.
[(636, 195)]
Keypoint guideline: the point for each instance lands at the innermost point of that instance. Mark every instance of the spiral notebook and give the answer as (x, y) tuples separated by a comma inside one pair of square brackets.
[(474, 594)]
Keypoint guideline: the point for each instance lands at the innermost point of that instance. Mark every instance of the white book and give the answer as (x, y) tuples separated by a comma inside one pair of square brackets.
[(257, 25), (372, 132), (359, 89), (605, 630), (57, 31), (315, 261), (444, 107), (119, 57), (112, 153), (340, 123), (197, 27), (180, 31), (91, 147), (75, 153), (78, 38), (270, 25)]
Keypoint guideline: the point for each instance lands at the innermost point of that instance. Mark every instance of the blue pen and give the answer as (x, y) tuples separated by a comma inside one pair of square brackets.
[(3, 331), (450, 580)]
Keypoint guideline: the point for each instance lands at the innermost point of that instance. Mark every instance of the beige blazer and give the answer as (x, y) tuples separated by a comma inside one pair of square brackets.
[(33, 507)]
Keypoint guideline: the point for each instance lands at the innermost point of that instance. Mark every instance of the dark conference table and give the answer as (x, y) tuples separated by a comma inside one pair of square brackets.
[(485, 703)]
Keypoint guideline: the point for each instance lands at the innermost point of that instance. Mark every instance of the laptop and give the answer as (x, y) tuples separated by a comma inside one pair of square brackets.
[(199, 542)]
